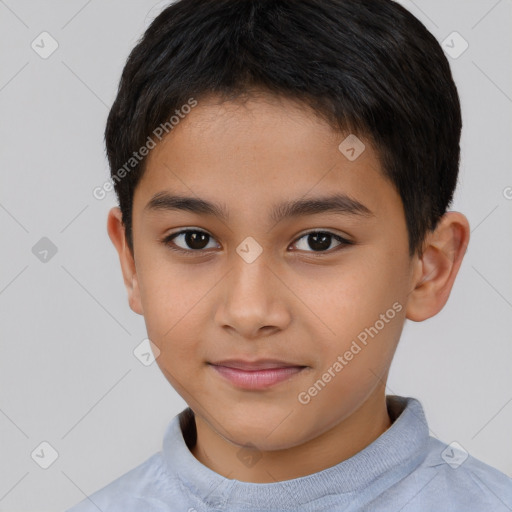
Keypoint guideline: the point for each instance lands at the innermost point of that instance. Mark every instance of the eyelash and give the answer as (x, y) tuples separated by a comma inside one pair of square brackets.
[(168, 242)]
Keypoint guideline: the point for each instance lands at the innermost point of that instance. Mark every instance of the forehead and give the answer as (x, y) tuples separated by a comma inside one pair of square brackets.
[(251, 154)]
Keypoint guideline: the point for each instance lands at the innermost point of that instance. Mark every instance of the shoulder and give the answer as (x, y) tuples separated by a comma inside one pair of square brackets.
[(146, 487), (451, 479)]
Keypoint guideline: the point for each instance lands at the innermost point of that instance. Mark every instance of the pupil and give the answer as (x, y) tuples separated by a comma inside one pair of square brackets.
[(196, 240), (319, 241)]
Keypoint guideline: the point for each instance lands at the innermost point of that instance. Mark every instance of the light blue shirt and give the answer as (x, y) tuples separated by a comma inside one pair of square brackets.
[(404, 469)]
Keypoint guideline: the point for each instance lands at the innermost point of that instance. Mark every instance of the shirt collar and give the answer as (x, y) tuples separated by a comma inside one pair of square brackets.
[(396, 452)]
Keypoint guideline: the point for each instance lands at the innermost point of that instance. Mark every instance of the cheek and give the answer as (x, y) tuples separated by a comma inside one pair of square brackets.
[(348, 296), (359, 313), (172, 309)]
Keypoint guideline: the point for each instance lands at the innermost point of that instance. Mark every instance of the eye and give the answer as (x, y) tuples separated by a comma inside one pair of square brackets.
[(320, 241), (188, 241)]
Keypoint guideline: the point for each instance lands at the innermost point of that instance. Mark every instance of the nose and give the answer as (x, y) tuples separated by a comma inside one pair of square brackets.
[(253, 300)]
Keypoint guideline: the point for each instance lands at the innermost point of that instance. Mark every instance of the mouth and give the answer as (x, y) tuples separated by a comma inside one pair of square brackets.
[(254, 375)]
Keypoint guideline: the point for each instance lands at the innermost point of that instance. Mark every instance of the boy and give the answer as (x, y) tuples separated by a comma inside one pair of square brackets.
[(247, 134)]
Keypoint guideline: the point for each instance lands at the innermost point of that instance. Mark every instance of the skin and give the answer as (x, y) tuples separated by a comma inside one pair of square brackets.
[(292, 303)]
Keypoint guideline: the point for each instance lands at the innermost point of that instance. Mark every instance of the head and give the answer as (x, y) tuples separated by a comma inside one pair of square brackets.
[(288, 167)]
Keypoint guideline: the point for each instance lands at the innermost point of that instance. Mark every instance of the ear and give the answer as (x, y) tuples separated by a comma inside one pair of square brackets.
[(116, 232), (436, 269)]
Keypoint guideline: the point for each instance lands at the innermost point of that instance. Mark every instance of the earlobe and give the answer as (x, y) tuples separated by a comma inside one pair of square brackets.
[(116, 232), (438, 266)]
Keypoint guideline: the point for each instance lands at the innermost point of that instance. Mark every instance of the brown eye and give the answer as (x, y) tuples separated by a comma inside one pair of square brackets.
[(320, 241), (188, 240)]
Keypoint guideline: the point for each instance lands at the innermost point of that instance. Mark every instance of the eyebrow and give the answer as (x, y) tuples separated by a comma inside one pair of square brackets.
[(338, 203)]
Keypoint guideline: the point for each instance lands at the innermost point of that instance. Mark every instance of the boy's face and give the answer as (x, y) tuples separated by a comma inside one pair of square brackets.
[(303, 300)]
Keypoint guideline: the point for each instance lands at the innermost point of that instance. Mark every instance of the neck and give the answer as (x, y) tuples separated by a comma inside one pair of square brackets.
[(337, 444)]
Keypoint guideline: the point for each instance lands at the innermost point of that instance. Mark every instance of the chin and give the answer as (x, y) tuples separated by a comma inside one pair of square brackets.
[(266, 430)]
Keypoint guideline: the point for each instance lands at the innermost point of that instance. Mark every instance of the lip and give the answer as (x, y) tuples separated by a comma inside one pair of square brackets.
[(256, 375), (258, 364)]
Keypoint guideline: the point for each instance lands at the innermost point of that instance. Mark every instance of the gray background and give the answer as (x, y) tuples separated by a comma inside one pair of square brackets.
[(68, 373)]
